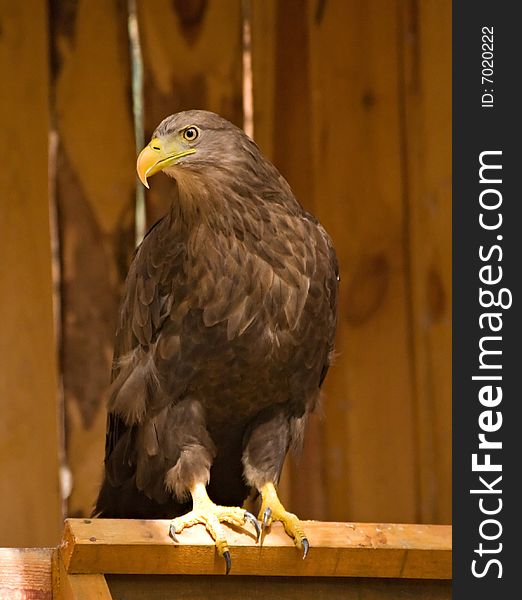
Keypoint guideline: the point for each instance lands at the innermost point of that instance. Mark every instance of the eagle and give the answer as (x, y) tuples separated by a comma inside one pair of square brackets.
[(225, 335)]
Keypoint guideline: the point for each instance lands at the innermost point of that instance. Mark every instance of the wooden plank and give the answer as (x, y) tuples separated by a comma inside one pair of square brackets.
[(78, 587), (30, 504), (426, 47), (263, 23), (370, 426), (95, 182), (25, 573), (192, 60), (86, 587), (336, 136), (180, 587), (337, 550)]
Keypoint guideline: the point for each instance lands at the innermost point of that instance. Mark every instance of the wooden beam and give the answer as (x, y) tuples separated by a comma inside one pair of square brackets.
[(337, 550), (86, 587), (30, 503), (78, 587)]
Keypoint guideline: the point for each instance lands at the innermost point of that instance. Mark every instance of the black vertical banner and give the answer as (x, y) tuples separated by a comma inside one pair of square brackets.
[(487, 270)]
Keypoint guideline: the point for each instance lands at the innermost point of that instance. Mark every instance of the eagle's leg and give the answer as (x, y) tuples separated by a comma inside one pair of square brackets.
[(272, 510), (211, 515), (268, 441)]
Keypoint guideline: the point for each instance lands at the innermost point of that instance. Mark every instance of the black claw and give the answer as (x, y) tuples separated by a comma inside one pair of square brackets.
[(266, 515), (255, 523), (306, 547), (172, 533), (228, 560)]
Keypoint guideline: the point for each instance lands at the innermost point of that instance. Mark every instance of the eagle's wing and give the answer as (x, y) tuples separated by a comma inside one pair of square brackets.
[(154, 273)]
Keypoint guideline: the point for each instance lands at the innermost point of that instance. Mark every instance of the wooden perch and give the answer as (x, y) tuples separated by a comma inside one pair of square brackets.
[(336, 550), (104, 559)]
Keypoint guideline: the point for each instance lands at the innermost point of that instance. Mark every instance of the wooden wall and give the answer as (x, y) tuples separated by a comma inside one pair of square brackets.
[(30, 506), (95, 179), (352, 101)]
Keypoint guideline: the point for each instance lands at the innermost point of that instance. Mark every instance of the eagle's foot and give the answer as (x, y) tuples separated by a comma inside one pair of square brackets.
[(273, 510), (211, 515)]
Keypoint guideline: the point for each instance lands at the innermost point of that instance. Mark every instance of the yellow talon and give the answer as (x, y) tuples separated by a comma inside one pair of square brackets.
[(272, 510), (205, 512)]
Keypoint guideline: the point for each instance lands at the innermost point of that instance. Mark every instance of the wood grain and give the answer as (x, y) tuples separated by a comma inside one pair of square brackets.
[(25, 573), (426, 81), (30, 502), (370, 419), (95, 197), (335, 133), (192, 60), (337, 550), (78, 587)]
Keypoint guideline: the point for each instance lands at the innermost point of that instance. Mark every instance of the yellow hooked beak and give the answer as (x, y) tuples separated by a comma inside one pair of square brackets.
[(158, 155)]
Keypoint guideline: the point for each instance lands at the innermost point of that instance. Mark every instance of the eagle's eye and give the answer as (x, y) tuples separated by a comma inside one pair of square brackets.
[(190, 134)]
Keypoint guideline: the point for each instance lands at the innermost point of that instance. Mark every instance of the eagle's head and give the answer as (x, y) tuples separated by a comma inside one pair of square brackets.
[(195, 139)]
